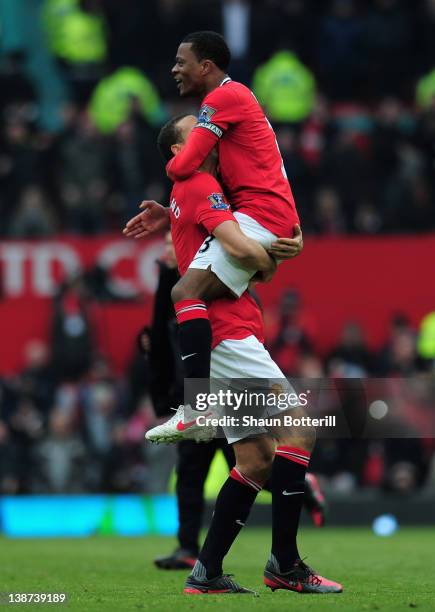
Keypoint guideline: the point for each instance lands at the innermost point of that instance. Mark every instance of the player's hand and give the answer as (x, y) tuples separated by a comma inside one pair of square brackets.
[(153, 218), (286, 248), (265, 276)]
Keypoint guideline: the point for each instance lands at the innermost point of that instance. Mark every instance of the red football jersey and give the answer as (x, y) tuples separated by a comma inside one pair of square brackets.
[(197, 207), (250, 162)]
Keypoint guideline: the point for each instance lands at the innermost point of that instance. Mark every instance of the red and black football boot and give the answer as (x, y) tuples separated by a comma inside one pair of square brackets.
[(180, 559), (301, 579), (314, 500), (216, 586)]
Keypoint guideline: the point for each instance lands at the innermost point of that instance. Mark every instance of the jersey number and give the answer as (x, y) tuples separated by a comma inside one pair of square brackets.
[(206, 244)]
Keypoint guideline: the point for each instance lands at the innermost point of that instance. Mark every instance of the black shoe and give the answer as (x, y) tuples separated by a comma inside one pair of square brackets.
[(216, 586), (301, 578), (314, 500), (180, 559)]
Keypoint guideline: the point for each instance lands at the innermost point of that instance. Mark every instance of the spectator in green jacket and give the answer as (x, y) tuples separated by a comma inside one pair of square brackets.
[(74, 35), (111, 101), (426, 91), (285, 88)]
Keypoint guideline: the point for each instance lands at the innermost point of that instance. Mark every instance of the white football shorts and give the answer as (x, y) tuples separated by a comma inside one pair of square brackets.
[(211, 254), (235, 360)]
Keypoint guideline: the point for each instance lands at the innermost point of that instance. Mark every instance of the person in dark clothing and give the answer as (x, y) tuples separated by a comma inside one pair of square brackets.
[(72, 334), (352, 348), (166, 389), (139, 370)]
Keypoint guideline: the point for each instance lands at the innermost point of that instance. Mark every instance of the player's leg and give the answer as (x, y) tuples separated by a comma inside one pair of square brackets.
[(254, 458), (206, 281), (212, 274), (189, 297), (248, 358), (228, 452), (292, 454), (217, 265), (193, 465), (314, 499), (192, 472), (285, 569), (195, 331)]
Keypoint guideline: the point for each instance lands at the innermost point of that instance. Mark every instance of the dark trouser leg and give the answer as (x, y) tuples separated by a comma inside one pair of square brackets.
[(193, 466)]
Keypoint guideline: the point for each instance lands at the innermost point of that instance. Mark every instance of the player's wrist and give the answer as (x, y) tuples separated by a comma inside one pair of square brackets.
[(273, 262)]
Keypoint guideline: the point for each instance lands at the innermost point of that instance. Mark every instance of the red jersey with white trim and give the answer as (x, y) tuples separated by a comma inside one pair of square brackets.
[(251, 165), (197, 207)]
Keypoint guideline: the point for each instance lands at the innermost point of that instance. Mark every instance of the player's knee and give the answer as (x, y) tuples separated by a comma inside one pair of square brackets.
[(181, 291), (302, 436), (308, 438), (193, 285), (299, 437), (258, 465)]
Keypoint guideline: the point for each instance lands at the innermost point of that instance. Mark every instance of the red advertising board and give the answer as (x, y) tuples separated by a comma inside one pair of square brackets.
[(340, 279)]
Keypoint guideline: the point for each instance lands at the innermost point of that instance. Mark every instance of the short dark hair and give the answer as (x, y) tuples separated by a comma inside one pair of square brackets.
[(210, 45), (168, 136)]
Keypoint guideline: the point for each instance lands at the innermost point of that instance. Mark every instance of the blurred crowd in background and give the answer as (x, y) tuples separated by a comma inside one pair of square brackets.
[(68, 423), (85, 85)]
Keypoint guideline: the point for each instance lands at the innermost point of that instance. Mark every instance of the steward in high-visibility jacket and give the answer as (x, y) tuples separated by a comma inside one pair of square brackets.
[(426, 91), (75, 36), (426, 338), (111, 100), (285, 88)]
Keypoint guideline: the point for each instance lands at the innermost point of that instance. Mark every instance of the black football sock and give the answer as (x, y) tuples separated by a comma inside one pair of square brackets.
[(288, 487), (233, 505), (194, 334)]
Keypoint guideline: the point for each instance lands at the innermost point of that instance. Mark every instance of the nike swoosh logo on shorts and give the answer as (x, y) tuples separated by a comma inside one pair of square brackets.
[(239, 522), (183, 357), (292, 492)]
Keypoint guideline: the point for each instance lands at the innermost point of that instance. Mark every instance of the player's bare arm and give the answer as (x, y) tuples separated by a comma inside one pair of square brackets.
[(249, 253), (198, 147), (155, 218)]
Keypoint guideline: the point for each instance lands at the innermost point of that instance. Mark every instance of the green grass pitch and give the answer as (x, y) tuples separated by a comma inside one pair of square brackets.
[(113, 573)]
